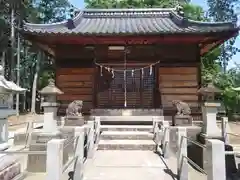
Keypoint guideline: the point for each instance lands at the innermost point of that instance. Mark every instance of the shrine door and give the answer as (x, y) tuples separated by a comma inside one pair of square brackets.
[(139, 87)]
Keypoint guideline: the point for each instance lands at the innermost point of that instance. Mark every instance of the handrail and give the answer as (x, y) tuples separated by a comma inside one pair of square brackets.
[(65, 167), (232, 153), (17, 124), (74, 158), (236, 135), (192, 163), (192, 141), (181, 156)]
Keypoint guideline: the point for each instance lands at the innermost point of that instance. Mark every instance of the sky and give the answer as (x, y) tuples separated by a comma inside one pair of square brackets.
[(236, 59)]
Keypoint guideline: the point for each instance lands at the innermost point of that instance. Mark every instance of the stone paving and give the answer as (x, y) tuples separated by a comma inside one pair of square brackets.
[(125, 165)]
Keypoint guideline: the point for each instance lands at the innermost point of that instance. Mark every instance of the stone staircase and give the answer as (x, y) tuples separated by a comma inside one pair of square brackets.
[(126, 137)]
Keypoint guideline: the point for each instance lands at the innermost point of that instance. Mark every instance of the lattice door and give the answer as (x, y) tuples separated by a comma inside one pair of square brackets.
[(139, 90)]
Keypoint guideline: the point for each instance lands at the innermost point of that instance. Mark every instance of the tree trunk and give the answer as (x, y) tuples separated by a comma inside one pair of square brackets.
[(34, 87), (3, 62), (11, 97), (18, 73)]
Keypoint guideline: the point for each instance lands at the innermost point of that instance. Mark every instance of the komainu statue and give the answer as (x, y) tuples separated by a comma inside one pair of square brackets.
[(183, 111), (182, 107), (74, 108)]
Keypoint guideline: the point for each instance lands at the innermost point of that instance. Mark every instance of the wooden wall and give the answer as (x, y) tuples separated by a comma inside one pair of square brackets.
[(77, 83), (177, 74), (178, 83), (179, 78)]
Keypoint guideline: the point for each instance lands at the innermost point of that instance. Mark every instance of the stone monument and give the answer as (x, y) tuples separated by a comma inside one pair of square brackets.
[(39, 139), (7, 88)]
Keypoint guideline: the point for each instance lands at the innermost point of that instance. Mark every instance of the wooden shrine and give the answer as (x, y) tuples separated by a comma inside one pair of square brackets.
[(129, 58)]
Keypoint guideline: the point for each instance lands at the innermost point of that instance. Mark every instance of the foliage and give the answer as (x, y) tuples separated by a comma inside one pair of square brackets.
[(133, 3), (35, 11), (50, 11), (223, 11)]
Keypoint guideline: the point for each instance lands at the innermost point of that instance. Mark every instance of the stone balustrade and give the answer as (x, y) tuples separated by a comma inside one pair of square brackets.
[(55, 151), (213, 158), (214, 165)]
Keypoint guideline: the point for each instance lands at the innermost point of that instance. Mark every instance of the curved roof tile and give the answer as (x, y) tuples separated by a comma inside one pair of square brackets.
[(127, 22)]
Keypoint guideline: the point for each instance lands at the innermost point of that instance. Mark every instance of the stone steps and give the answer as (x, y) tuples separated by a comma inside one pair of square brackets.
[(128, 135), (145, 145), (127, 118), (147, 128)]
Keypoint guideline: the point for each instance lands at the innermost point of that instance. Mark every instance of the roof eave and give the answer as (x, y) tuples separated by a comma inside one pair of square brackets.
[(41, 33)]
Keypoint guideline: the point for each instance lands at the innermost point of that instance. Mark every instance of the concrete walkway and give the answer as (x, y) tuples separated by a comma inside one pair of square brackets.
[(125, 165)]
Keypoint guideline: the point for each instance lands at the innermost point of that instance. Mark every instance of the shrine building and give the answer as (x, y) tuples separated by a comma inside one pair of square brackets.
[(129, 58)]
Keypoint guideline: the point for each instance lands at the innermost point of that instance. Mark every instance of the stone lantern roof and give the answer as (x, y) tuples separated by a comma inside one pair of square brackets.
[(50, 89), (8, 86), (210, 88)]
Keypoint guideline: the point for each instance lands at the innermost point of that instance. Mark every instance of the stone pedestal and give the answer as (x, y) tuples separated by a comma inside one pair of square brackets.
[(182, 120), (50, 117), (37, 162), (209, 115), (4, 113), (74, 121)]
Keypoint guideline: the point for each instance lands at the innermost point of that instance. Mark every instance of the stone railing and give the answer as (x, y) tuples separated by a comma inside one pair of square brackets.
[(23, 137), (213, 151), (214, 165), (161, 130), (82, 146), (83, 149)]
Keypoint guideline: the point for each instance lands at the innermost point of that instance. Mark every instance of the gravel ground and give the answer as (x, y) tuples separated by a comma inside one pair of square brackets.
[(17, 122)]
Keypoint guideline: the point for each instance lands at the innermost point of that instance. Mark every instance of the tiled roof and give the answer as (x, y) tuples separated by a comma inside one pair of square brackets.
[(128, 22)]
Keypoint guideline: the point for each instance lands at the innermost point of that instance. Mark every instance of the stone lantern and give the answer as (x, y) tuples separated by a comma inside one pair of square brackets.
[(208, 93), (39, 139), (7, 88), (210, 110), (50, 107)]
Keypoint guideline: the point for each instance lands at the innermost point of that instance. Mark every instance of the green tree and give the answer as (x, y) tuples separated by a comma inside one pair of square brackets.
[(50, 11), (134, 3), (223, 11)]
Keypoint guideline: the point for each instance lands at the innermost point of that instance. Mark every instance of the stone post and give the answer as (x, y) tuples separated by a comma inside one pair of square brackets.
[(225, 129), (97, 129), (54, 164), (182, 163), (215, 158), (79, 153), (165, 140), (90, 148), (155, 125)]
